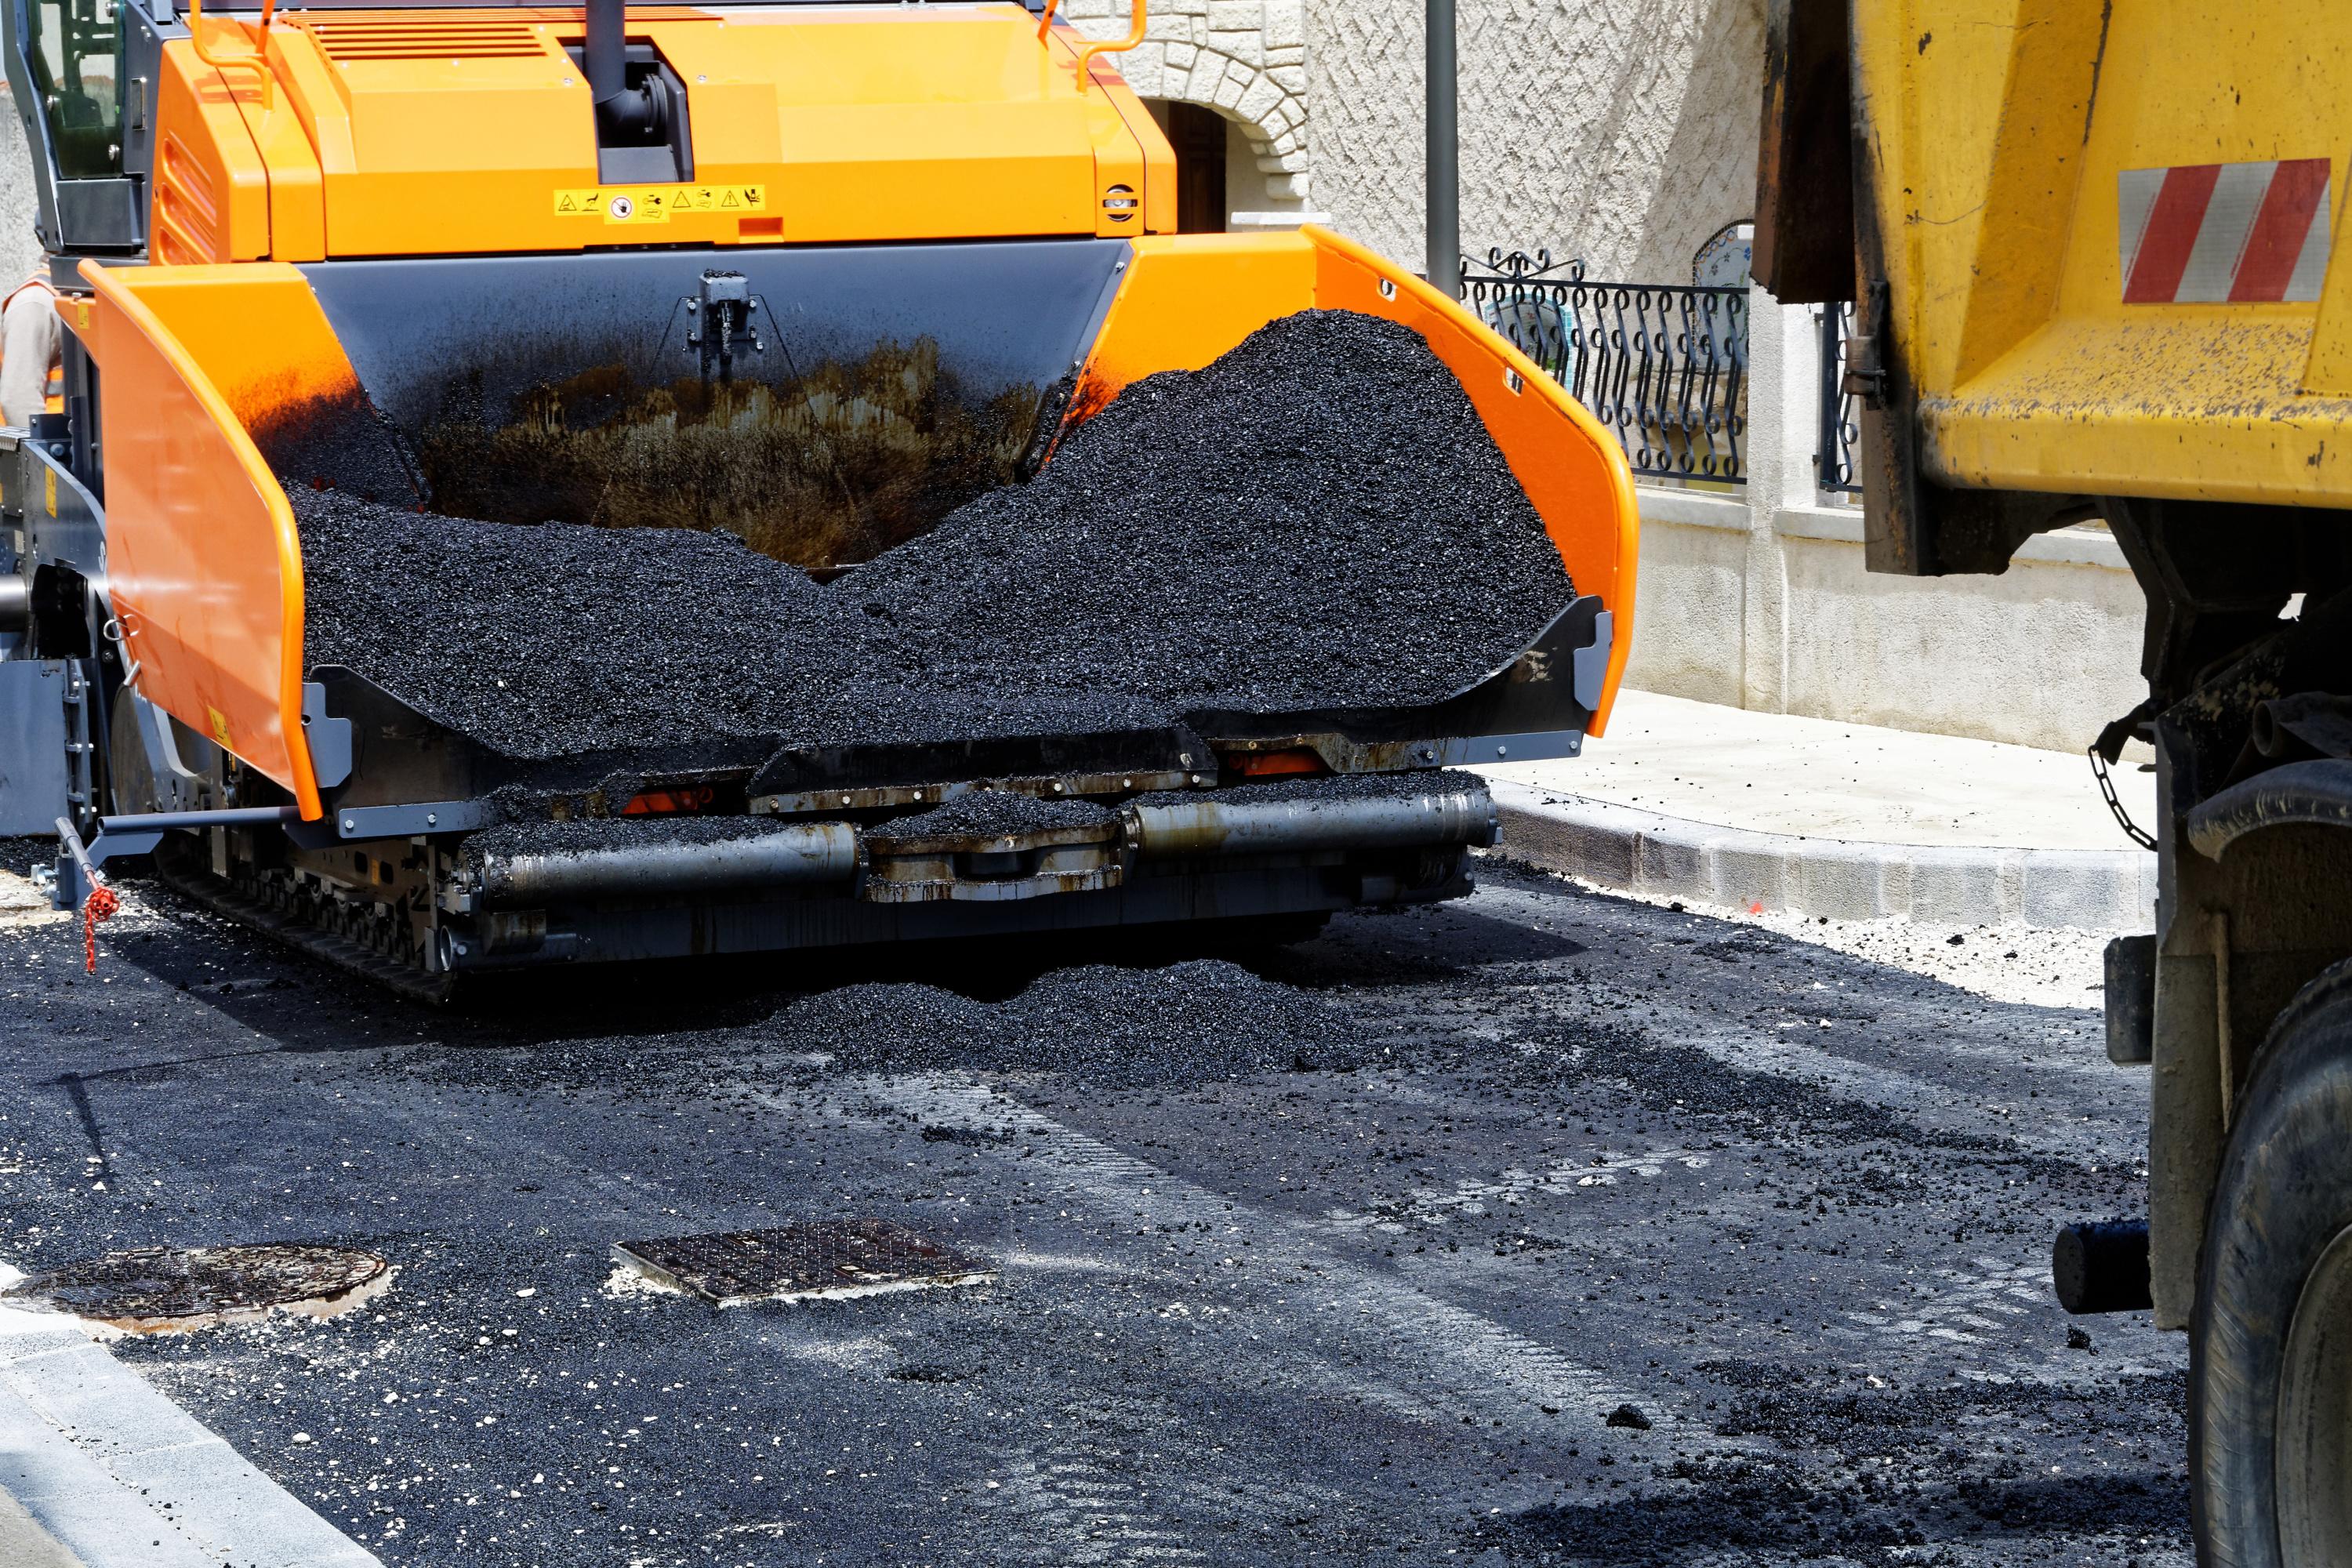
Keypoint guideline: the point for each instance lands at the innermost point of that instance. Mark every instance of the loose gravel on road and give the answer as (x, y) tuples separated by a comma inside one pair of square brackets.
[(1546, 1154)]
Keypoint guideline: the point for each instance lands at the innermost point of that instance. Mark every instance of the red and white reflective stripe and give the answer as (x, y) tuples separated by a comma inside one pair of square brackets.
[(2216, 233)]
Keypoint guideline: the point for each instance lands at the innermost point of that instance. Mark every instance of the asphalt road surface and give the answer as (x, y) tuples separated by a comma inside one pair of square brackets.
[(1556, 1157)]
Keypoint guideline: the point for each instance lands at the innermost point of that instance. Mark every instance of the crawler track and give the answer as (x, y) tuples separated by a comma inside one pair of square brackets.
[(224, 897)]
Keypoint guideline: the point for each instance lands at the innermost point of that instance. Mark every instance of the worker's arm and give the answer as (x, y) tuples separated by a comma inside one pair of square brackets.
[(29, 336)]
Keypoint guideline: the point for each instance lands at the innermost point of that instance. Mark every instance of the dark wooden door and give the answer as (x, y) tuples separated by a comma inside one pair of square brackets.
[(1198, 134)]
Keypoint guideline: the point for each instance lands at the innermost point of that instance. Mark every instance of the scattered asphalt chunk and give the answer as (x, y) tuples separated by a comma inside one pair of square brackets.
[(1318, 520), (934, 1372), (1629, 1415), (969, 1136)]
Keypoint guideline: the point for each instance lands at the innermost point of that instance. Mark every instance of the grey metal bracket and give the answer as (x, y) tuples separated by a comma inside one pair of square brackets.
[(1591, 671), (331, 739), (357, 821), (1540, 746)]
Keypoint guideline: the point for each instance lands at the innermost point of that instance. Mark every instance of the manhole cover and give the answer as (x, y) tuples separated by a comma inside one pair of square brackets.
[(169, 1287), (835, 1257)]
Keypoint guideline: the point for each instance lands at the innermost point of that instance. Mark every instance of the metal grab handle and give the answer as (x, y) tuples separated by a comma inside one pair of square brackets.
[(256, 62), (1134, 36)]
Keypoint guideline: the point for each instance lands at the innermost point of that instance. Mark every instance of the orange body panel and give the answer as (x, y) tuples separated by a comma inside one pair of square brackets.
[(204, 568), (1189, 299), (211, 199), (457, 132)]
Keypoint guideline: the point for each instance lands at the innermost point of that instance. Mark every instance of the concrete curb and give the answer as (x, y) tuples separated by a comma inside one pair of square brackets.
[(1643, 852), (120, 1477)]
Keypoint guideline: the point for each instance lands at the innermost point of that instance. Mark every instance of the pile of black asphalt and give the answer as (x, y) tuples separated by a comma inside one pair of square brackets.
[(1201, 1021), (1318, 520)]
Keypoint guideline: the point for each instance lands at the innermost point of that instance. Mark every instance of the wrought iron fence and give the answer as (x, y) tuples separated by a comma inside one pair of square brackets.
[(1663, 366), (1840, 412)]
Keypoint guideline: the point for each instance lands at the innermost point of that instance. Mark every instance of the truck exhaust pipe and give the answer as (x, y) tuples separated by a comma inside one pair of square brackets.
[(2102, 1267)]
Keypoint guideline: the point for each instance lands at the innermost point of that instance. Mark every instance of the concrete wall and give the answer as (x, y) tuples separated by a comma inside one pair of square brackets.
[(2044, 655), (1759, 600)]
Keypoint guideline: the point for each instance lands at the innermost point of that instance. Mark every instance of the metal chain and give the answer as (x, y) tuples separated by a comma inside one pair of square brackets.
[(2108, 790)]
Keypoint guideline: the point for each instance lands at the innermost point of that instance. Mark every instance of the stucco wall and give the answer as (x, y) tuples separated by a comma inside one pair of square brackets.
[(1622, 131)]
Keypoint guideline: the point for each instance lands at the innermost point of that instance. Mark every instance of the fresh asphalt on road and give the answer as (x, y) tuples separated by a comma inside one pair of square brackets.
[(1792, 1207)]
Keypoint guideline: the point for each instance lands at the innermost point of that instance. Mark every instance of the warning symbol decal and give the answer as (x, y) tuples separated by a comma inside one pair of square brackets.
[(653, 204)]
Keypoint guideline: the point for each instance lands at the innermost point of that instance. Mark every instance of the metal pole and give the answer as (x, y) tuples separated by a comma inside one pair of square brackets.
[(1444, 169)]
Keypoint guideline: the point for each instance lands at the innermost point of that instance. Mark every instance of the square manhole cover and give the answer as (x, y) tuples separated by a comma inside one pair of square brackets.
[(793, 1262)]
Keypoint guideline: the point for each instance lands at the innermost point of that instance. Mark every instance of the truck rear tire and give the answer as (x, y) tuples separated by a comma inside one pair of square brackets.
[(2270, 1381)]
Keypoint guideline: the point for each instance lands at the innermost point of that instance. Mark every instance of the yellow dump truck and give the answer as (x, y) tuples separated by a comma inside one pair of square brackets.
[(2094, 255)]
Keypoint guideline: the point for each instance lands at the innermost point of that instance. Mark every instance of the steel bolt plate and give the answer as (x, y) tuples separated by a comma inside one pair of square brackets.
[(792, 1262), (161, 1287)]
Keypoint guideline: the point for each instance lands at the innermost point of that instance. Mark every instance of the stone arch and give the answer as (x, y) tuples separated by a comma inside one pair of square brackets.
[(1244, 58)]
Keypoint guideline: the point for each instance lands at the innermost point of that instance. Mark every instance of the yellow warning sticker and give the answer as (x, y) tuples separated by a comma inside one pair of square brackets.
[(654, 203), (220, 723), (49, 489)]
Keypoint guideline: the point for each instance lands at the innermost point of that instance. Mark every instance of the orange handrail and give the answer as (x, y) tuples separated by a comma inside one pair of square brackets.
[(258, 61), (1134, 36)]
